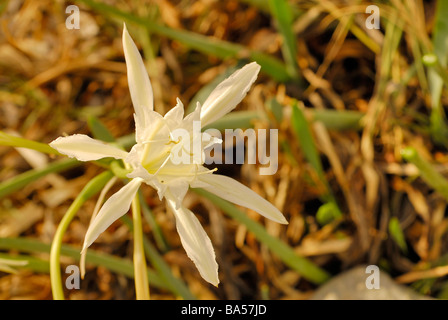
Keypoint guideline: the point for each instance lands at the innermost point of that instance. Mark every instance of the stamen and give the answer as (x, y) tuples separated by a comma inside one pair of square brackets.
[(151, 141), (203, 172), (208, 171), (172, 141), (189, 153), (184, 174)]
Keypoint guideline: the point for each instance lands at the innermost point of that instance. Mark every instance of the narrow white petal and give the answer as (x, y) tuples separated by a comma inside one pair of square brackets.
[(115, 207), (84, 148), (233, 191), (225, 97), (196, 242), (7, 269), (178, 189), (175, 115), (138, 80), (15, 263)]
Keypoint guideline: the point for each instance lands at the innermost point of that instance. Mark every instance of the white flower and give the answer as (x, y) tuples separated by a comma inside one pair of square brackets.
[(151, 159)]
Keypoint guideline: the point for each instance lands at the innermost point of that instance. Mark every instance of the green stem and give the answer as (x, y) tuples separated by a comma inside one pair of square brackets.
[(427, 171), (18, 142), (115, 264), (89, 190), (20, 181), (141, 278), (163, 270), (118, 170)]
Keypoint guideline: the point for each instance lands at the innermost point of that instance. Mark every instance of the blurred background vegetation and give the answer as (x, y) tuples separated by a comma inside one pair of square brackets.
[(362, 135)]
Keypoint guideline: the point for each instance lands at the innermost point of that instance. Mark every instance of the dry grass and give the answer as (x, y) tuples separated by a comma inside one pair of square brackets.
[(52, 78)]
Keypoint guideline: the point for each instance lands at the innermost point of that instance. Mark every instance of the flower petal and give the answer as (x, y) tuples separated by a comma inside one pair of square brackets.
[(175, 115), (84, 148), (196, 242), (229, 93), (138, 80), (115, 207), (233, 191), (178, 189)]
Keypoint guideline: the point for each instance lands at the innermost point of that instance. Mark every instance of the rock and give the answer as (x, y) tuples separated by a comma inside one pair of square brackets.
[(351, 285)]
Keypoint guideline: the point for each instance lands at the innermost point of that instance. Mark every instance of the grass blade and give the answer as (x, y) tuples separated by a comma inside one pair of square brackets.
[(427, 172), (439, 128), (337, 120), (235, 120), (99, 130), (263, 6), (305, 138), (112, 263), (282, 13), (18, 142), (160, 240), (32, 263), (20, 181), (303, 132), (397, 234)]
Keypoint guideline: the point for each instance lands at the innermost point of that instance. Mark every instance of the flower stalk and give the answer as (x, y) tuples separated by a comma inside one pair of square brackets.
[(91, 188), (141, 276)]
